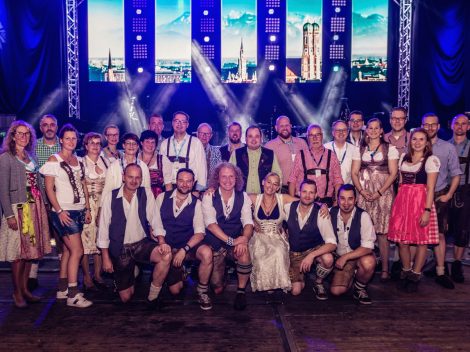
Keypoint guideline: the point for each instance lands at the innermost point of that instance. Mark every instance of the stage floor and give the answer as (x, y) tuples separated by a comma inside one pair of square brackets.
[(434, 319)]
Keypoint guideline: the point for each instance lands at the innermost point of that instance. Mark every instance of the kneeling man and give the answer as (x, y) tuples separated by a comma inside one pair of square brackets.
[(125, 235), (311, 239), (356, 236), (179, 221)]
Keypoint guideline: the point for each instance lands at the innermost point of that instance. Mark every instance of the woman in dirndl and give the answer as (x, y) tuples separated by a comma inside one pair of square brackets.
[(24, 230), (414, 220), (148, 154)]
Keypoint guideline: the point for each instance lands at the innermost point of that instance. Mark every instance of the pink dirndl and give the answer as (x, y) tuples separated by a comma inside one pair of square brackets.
[(406, 211)]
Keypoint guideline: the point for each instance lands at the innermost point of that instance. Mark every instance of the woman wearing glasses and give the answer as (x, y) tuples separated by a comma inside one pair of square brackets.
[(374, 169), (68, 195), (24, 231)]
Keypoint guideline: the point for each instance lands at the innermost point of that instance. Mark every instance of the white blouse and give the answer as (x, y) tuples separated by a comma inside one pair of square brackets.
[(63, 187), (432, 165), (393, 154), (90, 168)]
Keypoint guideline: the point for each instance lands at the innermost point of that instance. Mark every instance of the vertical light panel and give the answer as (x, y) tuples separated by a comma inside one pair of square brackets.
[(369, 40), (173, 41), (239, 38), (303, 41), (106, 41)]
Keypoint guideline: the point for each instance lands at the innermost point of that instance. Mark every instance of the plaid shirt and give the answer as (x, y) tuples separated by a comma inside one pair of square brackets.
[(44, 151)]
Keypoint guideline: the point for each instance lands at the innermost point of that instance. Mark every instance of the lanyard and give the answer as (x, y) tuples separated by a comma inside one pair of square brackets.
[(344, 155), (122, 162), (374, 152), (463, 149), (315, 160), (177, 153)]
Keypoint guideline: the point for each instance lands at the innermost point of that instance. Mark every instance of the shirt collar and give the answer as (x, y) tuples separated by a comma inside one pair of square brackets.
[(188, 199), (41, 140), (350, 218), (121, 193)]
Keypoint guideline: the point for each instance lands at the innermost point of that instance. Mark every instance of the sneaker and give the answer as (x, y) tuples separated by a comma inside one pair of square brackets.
[(362, 296), (79, 301), (62, 294), (240, 301), (445, 282), (320, 291), (457, 272), (205, 301)]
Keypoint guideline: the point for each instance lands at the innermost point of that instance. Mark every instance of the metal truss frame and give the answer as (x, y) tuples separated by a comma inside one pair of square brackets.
[(72, 58), (404, 57)]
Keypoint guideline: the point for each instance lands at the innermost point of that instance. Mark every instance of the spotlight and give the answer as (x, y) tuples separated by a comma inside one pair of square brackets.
[(271, 11), (139, 38), (138, 11), (335, 68), (271, 67), (335, 37), (207, 69), (272, 38), (207, 39), (338, 9), (140, 70), (205, 12)]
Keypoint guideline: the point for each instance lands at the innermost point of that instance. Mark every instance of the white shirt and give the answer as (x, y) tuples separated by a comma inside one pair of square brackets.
[(134, 231), (198, 220), (345, 157), (368, 235), (197, 160), (324, 224), (114, 176), (210, 214), (393, 154)]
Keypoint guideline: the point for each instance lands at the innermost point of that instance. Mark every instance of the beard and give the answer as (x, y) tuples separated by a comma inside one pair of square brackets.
[(183, 191), (234, 141)]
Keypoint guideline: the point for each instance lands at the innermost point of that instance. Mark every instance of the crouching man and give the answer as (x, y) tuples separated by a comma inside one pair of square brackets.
[(125, 235), (356, 236)]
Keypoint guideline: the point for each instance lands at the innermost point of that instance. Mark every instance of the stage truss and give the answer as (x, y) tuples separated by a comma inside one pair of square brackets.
[(404, 55), (72, 59)]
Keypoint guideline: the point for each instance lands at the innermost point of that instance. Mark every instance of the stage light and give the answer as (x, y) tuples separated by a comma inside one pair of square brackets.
[(207, 39), (205, 12), (139, 38), (271, 67), (338, 9), (272, 38), (207, 69), (140, 69), (271, 11), (138, 11), (335, 37), (335, 68)]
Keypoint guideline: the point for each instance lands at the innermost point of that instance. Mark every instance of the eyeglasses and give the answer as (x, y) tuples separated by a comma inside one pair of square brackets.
[(131, 144), (356, 121), (112, 135), (180, 122), (315, 135), (94, 143), (398, 119), (430, 125), (23, 134), (341, 130), (205, 134)]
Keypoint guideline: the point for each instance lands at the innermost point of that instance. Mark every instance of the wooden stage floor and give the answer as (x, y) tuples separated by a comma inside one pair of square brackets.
[(434, 319)]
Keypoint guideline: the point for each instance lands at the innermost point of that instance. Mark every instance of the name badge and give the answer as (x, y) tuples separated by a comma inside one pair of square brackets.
[(293, 157), (317, 173)]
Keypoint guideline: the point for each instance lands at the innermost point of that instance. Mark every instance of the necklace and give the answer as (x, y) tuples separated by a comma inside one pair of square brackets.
[(268, 209), (374, 152)]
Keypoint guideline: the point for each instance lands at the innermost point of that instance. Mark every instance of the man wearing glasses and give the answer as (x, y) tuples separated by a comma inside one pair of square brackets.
[(320, 165), (213, 156), (398, 136), (450, 170), (182, 150), (343, 150), (356, 124)]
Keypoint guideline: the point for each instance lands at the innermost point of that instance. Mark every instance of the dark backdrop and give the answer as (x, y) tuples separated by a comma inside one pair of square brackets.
[(33, 70)]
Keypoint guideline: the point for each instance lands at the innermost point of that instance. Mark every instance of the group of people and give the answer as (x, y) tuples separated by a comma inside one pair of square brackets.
[(279, 211)]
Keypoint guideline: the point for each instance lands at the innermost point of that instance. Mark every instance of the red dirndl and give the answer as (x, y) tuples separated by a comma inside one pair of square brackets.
[(406, 211)]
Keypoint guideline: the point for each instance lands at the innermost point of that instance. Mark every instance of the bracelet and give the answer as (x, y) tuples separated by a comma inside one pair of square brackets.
[(59, 211), (378, 191), (187, 248), (427, 209), (229, 241)]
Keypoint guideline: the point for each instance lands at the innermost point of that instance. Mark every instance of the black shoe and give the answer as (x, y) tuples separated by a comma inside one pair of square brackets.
[(32, 284), (445, 281), (240, 301), (362, 296), (155, 304), (457, 272), (100, 285)]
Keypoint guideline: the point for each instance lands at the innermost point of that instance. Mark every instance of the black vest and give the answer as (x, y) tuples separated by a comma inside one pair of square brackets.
[(225, 152), (180, 229), (232, 226), (354, 239), (117, 227), (307, 238), (264, 167)]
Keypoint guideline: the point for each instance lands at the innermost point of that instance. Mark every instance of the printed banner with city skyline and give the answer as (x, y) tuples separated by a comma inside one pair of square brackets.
[(173, 41), (303, 41), (106, 41), (239, 41), (369, 40)]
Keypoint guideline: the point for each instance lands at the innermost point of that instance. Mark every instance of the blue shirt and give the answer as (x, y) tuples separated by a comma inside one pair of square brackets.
[(450, 166), (463, 150)]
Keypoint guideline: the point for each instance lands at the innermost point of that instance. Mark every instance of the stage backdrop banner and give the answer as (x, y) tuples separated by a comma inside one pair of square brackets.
[(32, 58)]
